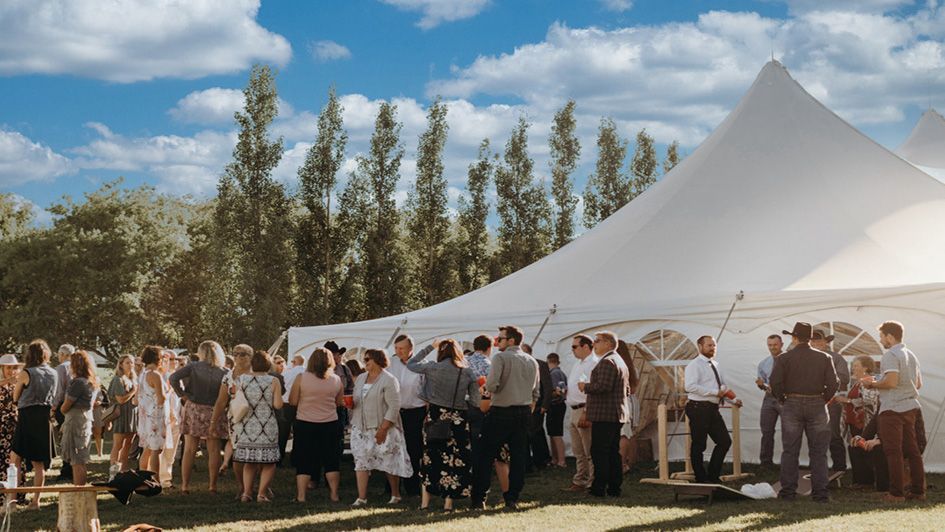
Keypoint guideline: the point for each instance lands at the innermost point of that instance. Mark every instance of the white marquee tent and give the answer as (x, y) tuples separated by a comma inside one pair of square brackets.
[(785, 202), (925, 146)]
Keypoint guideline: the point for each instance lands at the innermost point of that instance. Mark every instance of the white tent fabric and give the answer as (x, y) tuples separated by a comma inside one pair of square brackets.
[(785, 201), (925, 147)]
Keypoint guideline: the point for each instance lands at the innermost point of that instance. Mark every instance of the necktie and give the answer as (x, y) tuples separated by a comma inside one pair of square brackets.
[(718, 380)]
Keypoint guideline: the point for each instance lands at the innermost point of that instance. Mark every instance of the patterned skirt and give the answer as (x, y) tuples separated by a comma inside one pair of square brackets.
[(77, 436), (196, 422), (389, 457), (446, 467)]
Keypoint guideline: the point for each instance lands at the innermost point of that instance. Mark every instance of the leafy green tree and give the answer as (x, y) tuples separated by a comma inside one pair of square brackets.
[(608, 189), (565, 152), (428, 224), (253, 223), (89, 278), (524, 212), (643, 167), (15, 216), (672, 157), (472, 232), (320, 245), (383, 258)]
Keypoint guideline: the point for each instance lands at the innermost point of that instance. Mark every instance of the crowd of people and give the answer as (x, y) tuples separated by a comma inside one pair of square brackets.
[(439, 422)]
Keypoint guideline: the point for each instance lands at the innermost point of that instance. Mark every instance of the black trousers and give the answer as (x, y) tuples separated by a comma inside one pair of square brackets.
[(605, 454), (412, 419), (474, 417), (502, 425), (537, 441), (706, 421), (285, 417)]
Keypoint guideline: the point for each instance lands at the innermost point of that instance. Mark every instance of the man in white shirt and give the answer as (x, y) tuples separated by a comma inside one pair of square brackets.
[(298, 367), (413, 409), (705, 388), (582, 346)]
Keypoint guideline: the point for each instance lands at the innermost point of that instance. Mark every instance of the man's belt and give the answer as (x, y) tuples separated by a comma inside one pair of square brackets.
[(804, 395), (578, 406), (702, 404)]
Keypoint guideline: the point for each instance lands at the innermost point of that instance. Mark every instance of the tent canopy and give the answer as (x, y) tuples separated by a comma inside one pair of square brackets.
[(783, 196), (925, 146)]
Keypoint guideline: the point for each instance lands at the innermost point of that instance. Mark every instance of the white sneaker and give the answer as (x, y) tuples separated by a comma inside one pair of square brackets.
[(113, 470), (359, 503), (394, 500)]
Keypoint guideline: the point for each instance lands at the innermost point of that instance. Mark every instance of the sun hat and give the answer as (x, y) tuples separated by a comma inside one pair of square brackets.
[(9, 360)]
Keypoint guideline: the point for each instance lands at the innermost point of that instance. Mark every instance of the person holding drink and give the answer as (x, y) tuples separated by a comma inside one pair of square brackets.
[(316, 394)]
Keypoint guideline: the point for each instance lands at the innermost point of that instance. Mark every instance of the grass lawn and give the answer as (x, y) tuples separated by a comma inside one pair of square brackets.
[(545, 507)]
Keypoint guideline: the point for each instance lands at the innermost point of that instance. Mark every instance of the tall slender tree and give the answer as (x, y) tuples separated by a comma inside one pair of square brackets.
[(253, 224), (473, 233), (319, 244), (643, 167), (565, 151), (383, 259), (524, 212), (428, 223), (672, 157), (608, 189)]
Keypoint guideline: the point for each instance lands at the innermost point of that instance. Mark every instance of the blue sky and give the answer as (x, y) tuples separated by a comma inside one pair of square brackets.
[(145, 88)]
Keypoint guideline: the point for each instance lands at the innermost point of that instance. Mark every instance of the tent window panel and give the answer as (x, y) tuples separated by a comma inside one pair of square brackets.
[(850, 340), (661, 382)]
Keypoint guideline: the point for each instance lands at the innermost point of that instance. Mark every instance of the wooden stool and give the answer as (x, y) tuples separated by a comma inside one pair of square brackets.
[(78, 506)]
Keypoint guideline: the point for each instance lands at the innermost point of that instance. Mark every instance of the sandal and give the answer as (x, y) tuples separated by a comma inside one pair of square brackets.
[(263, 498), (246, 498)]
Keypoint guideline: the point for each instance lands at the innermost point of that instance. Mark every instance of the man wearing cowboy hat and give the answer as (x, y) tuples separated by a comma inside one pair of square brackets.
[(347, 380), (804, 380), (838, 450)]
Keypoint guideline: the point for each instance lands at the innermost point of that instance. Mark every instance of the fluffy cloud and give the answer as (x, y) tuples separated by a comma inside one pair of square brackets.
[(435, 12), (22, 160), (617, 5), (880, 6), (679, 80), (215, 106), (324, 51), (134, 40), (182, 165)]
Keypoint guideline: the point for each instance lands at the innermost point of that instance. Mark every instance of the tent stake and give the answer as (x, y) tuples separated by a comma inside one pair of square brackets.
[(738, 297)]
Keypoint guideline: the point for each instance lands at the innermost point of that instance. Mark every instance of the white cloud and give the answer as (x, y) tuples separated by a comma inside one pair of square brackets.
[(617, 5), (216, 106), (135, 40), (435, 12), (324, 51), (22, 160), (680, 79), (182, 165), (41, 217), (878, 6)]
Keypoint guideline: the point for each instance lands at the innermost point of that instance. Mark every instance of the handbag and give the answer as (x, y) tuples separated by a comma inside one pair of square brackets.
[(439, 430), (110, 413), (239, 406)]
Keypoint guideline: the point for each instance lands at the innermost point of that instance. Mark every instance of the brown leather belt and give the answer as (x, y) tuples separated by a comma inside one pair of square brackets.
[(803, 395), (578, 407)]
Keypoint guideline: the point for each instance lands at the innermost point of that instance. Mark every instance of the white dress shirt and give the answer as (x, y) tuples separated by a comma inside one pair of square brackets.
[(289, 376), (700, 380), (411, 384), (582, 368)]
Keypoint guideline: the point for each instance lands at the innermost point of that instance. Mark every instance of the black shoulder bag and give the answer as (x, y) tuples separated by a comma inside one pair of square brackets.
[(439, 430)]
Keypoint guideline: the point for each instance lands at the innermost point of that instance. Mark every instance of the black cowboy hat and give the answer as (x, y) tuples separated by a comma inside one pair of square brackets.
[(333, 347), (802, 331), (821, 335)]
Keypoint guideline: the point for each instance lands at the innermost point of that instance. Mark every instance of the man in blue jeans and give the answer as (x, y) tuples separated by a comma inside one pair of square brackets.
[(804, 380), (770, 407)]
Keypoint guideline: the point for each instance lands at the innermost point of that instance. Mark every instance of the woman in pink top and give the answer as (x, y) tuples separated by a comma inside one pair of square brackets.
[(316, 445)]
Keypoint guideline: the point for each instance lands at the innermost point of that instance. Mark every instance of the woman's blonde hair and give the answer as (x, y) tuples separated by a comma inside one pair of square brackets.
[(212, 353)]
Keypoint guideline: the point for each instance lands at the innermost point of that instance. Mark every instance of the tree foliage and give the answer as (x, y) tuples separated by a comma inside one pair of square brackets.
[(643, 167), (608, 189), (565, 152), (472, 231), (672, 157)]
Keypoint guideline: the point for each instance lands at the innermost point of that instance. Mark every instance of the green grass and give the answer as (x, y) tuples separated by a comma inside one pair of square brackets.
[(545, 507)]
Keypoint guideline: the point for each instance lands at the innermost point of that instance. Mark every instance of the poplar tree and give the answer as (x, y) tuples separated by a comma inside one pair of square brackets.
[(643, 167), (253, 225), (608, 189), (672, 157), (383, 260), (320, 245), (473, 234), (565, 151), (524, 212), (428, 224)]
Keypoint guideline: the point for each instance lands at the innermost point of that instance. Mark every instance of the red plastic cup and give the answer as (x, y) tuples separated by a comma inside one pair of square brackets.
[(349, 401), (482, 380), (861, 443), (730, 394)]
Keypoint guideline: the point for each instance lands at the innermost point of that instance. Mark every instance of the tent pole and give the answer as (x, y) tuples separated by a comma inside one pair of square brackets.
[(397, 330), (278, 343), (551, 312), (738, 297)]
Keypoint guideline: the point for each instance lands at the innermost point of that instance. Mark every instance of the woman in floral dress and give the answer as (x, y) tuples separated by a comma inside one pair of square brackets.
[(257, 434), (10, 367), (153, 411)]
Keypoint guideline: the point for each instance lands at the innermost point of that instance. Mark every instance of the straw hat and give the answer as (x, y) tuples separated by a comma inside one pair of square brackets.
[(10, 360)]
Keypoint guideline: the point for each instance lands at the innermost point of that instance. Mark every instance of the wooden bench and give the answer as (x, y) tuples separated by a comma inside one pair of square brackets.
[(78, 506)]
